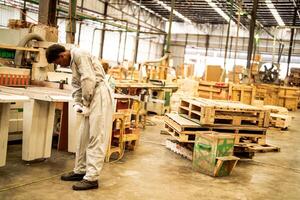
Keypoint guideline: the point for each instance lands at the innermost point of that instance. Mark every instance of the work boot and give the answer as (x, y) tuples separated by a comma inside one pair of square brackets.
[(72, 176), (85, 185)]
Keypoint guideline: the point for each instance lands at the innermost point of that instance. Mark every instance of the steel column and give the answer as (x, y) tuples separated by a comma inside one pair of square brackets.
[(291, 41), (71, 28), (103, 31), (170, 27), (47, 12), (251, 32), (137, 39)]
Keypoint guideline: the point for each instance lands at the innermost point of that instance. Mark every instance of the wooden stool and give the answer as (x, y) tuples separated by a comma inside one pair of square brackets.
[(120, 148)]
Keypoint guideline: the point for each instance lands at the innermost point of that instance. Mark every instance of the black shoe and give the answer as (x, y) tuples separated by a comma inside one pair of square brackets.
[(71, 176), (85, 185)]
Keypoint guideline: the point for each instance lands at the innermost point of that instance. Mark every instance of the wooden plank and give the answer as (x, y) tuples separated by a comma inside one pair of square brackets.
[(6, 97), (2, 46), (4, 122), (182, 121), (40, 93)]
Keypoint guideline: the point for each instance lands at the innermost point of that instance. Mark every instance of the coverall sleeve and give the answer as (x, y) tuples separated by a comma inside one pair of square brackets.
[(87, 78), (77, 92)]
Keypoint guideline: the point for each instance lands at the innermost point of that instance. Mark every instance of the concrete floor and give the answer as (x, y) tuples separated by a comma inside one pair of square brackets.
[(153, 172)]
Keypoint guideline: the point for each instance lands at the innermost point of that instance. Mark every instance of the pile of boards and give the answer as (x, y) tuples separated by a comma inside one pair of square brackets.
[(248, 124)]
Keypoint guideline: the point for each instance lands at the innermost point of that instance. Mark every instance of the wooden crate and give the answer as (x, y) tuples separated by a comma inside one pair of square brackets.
[(213, 90), (184, 130), (224, 113), (280, 120), (287, 97), (213, 154), (242, 93)]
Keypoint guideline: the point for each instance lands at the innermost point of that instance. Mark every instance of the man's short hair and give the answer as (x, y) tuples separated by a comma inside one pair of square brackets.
[(53, 51)]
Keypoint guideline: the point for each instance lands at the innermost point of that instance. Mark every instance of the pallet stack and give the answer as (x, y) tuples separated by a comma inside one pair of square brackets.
[(248, 124)]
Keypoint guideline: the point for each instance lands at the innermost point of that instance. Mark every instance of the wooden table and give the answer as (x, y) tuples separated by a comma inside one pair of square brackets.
[(5, 101), (38, 119)]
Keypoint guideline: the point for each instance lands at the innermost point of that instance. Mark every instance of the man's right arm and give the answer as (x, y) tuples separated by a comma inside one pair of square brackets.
[(77, 92)]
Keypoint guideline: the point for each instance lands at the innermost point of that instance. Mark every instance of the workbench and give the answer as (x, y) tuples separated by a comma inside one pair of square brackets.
[(38, 119), (159, 94), (5, 101)]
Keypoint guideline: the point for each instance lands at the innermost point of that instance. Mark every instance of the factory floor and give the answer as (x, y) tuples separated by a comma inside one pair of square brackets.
[(154, 172)]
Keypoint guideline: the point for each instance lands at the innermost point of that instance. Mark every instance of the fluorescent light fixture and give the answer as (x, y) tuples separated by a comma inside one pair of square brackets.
[(218, 10), (274, 12), (174, 11)]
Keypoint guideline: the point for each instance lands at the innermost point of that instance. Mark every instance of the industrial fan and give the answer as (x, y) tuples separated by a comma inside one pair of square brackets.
[(268, 73)]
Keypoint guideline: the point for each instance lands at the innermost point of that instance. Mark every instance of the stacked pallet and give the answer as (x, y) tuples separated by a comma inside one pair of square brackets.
[(248, 124), (227, 116)]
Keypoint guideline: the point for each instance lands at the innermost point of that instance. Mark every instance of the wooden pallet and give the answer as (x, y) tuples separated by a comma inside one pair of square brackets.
[(259, 148), (280, 120), (184, 130), (180, 149), (225, 113)]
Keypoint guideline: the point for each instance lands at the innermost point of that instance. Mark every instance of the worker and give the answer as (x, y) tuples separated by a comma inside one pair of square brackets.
[(93, 99)]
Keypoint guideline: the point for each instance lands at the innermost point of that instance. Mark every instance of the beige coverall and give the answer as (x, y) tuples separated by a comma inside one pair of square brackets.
[(91, 90)]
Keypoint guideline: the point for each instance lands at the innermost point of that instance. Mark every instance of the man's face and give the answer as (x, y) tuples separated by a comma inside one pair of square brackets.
[(63, 60)]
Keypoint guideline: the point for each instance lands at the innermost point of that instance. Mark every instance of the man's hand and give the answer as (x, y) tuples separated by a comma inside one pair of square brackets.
[(85, 111), (78, 108), (81, 109)]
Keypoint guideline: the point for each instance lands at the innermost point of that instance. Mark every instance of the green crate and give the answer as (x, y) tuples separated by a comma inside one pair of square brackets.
[(208, 147)]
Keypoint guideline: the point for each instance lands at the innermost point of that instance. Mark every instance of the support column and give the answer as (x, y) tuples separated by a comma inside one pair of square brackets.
[(291, 42), (251, 32), (103, 30), (79, 31), (170, 27), (137, 39), (71, 25), (23, 11), (47, 12)]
